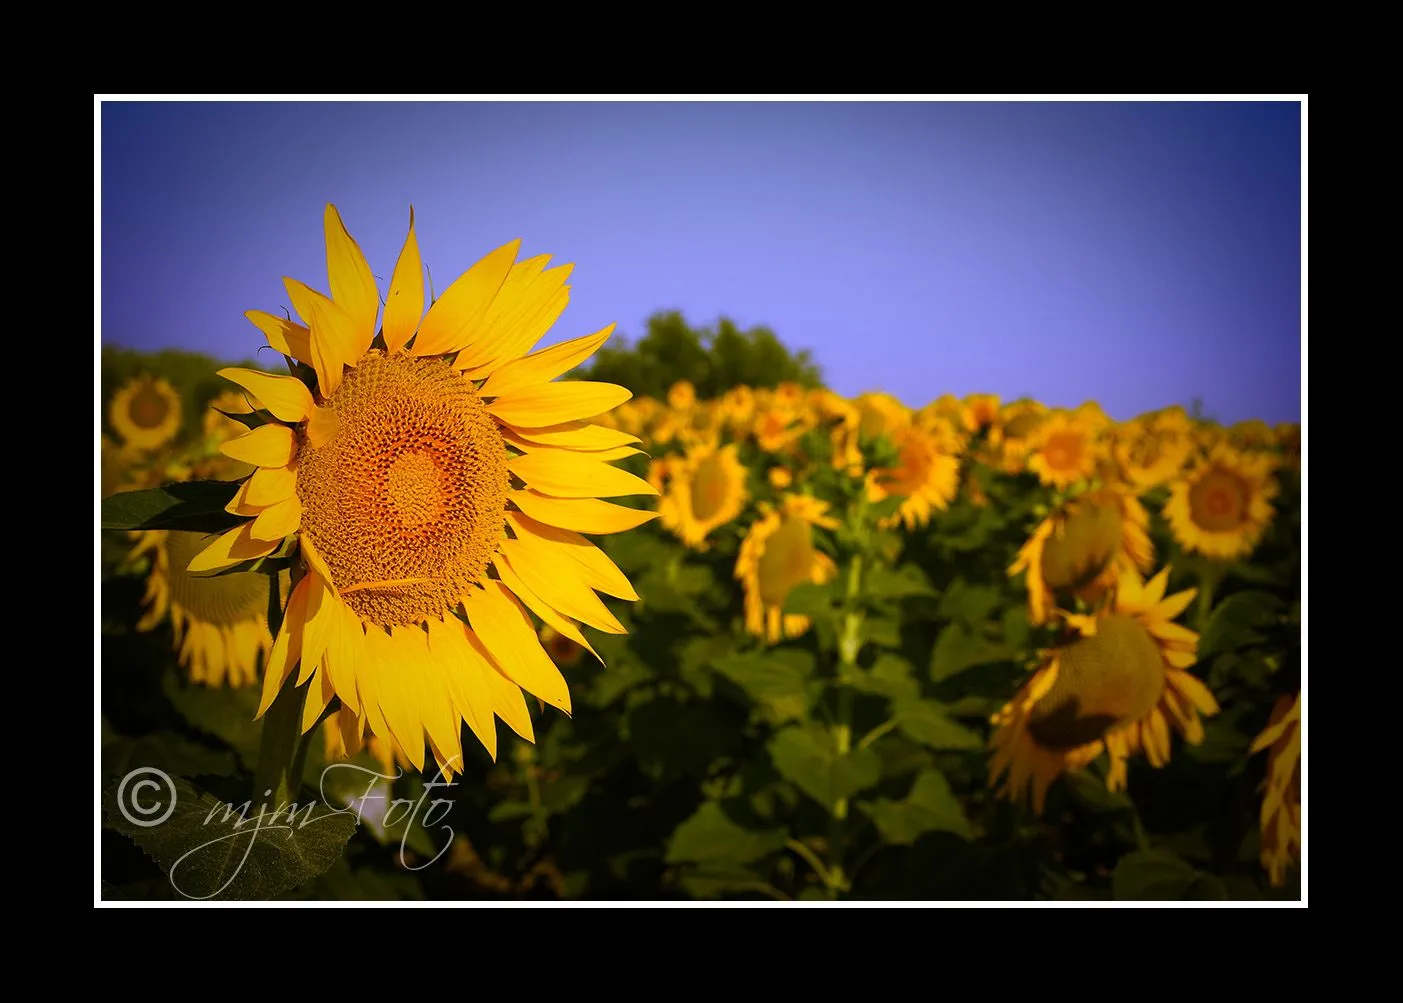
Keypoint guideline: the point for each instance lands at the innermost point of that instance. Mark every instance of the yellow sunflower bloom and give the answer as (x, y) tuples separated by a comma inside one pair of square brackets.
[(145, 413), (1063, 451), (1252, 435), (1119, 687), (1083, 548), (777, 554), (926, 477), (706, 489), (1020, 420), (776, 427), (981, 412), (1288, 438), (220, 622), (436, 480), (1281, 804), (880, 414), (681, 395), (1223, 506), (1150, 451)]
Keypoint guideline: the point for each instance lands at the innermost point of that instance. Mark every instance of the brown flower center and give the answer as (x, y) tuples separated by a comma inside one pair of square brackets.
[(1218, 502), (149, 407), (709, 488)]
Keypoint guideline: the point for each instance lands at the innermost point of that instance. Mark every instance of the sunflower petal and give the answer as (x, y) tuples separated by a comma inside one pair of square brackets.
[(452, 321), (553, 403), (562, 624), (283, 335), (583, 515), (352, 285), (530, 300), (545, 365), (576, 475), (577, 435), (231, 548), (287, 647), (565, 593), (270, 445), (286, 397), (465, 674), (405, 304), (598, 571), (505, 630), (276, 521), (1193, 688), (270, 485)]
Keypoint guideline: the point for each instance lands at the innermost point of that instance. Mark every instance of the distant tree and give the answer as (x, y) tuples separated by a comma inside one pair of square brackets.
[(713, 360)]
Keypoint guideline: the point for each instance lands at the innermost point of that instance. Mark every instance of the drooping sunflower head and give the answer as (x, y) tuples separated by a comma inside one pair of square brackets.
[(926, 476), (1151, 450), (1223, 505), (1082, 548), (1118, 687), (220, 622), (437, 481), (1063, 450), (1019, 419), (706, 490), (777, 554), (145, 413), (1281, 799)]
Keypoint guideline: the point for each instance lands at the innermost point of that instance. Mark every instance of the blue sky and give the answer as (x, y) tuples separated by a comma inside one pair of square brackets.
[(1136, 253)]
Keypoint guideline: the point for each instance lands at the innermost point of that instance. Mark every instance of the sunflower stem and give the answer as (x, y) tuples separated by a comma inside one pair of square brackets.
[(281, 752), (1207, 585)]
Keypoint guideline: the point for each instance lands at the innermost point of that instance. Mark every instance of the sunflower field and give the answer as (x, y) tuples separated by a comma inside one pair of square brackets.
[(773, 645)]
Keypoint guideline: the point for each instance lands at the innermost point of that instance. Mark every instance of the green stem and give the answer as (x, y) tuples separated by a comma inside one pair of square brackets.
[(1207, 585), (849, 644), (281, 751), (876, 733), (812, 859), (536, 831)]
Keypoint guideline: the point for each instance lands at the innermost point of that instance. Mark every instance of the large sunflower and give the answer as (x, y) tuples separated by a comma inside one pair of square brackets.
[(1222, 507), (1081, 549), (706, 490), (437, 483), (1117, 687), (220, 622), (777, 554), (1281, 804), (145, 413)]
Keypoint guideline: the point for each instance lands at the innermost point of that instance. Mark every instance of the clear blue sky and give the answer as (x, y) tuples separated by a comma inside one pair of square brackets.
[(1139, 254)]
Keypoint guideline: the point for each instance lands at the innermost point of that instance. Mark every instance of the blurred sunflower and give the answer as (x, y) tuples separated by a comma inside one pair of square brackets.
[(1281, 804), (926, 476), (433, 454), (777, 554), (1020, 419), (216, 424), (981, 413), (780, 477), (1063, 450), (145, 413), (1120, 686), (1153, 449), (1288, 438), (1222, 506), (220, 622), (681, 395), (1083, 547), (775, 427), (706, 490), (1252, 435), (880, 414)]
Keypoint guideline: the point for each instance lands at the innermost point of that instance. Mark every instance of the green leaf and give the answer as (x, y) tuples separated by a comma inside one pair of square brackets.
[(164, 751), (812, 600), (884, 582), (193, 506), (890, 676), (884, 632), (775, 680), (931, 806), (711, 837), (808, 757), (959, 648), (887, 507), (1237, 622), (223, 712), (969, 604), (929, 723), (1159, 875), (211, 850)]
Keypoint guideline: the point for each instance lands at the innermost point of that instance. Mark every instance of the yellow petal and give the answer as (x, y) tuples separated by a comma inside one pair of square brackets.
[(583, 515), (322, 426), (451, 322), (334, 337), (465, 674), (1199, 695), (427, 689), (345, 641), (507, 701), (506, 632), (577, 435), (319, 694), (600, 455), (1171, 632), (270, 485), (553, 403), (352, 285), (276, 521), (395, 699), (369, 671), (239, 505), (1174, 605), (316, 562), (286, 397), (527, 305), (598, 571), (575, 475), (561, 624), (322, 612), (233, 547), (283, 335), (265, 446), (405, 304), (287, 647), (545, 365), (566, 593)]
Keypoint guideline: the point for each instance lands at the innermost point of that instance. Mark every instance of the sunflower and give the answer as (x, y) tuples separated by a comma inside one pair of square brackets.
[(1020, 419), (436, 482), (220, 622), (980, 412), (216, 424), (145, 413), (777, 554), (1119, 686), (1153, 449), (775, 427), (563, 651), (880, 414), (1083, 547), (926, 476), (681, 395), (1281, 804), (1222, 506), (706, 489), (1063, 451)]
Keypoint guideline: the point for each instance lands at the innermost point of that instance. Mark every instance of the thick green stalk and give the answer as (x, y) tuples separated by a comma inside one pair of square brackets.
[(281, 751)]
